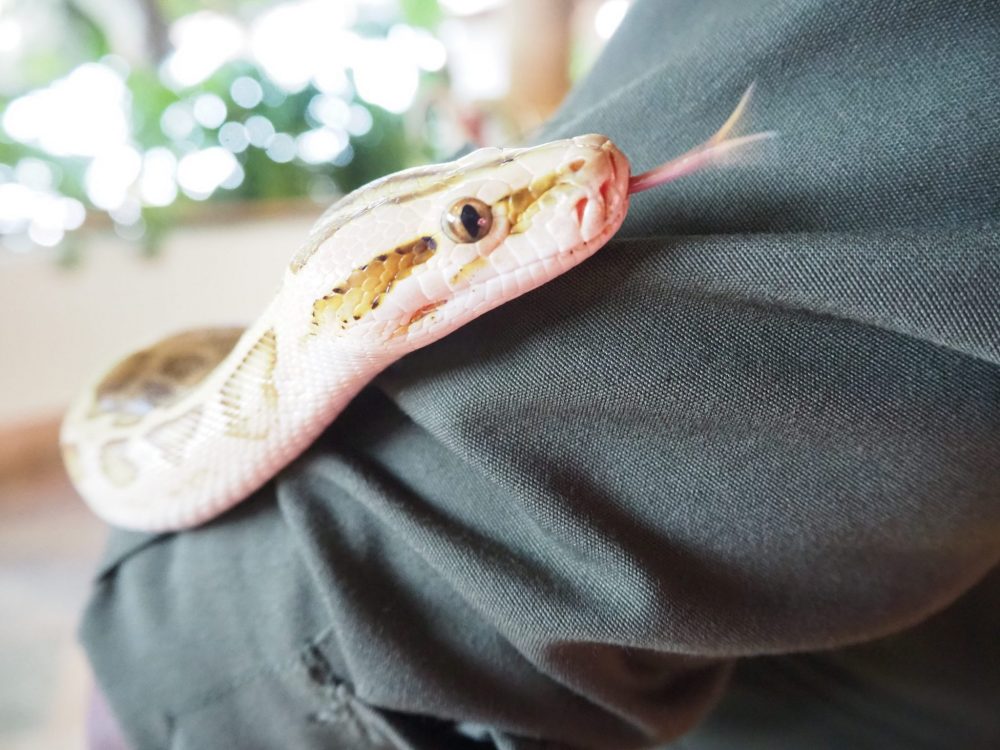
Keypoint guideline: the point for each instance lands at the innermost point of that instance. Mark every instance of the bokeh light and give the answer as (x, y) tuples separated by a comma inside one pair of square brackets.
[(609, 16), (292, 85), (234, 136), (271, 100), (158, 183), (201, 173), (294, 41), (203, 42), (418, 45), (321, 145), (209, 111), (329, 110), (11, 35), (281, 147), (359, 120), (111, 174), (260, 130), (177, 121), (246, 92), (82, 114), (35, 173), (385, 75)]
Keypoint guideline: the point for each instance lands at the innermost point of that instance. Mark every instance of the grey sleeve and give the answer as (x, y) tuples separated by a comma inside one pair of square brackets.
[(763, 421)]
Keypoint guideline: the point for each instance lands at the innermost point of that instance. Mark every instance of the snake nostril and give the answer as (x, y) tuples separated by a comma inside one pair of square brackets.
[(581, 207)]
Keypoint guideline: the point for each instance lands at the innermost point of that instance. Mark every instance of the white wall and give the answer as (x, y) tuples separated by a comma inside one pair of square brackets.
[(60, 327)]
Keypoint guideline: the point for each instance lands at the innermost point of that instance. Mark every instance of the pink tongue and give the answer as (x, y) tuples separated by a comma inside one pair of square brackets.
[(705, 155)]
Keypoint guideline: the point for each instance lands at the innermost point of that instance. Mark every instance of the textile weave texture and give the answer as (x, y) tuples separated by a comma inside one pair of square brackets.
[(732, 483)]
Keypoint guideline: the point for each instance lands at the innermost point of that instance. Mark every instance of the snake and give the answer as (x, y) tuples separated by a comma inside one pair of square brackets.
[(177, 433)]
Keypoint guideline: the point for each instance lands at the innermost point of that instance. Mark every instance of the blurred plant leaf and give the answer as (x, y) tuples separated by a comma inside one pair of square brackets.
[(149, 100), (86, 31), (424, 13), (77, 37)]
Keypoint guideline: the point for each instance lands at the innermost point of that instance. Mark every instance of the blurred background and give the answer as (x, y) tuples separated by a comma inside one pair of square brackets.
[(160, 161)]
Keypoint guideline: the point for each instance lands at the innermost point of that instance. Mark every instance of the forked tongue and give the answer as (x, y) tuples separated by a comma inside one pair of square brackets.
[(712, 151)]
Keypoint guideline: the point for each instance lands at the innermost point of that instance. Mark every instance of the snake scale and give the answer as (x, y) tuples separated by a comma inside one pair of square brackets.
[(176, 434)]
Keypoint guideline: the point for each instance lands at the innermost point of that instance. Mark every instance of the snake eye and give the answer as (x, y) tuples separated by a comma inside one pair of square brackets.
[(467, 220)]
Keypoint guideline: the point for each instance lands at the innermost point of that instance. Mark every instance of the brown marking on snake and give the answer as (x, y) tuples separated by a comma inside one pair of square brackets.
[(161, 375), (116, 464), (124, 374), (173, 437), (183, 367), (249, 397), (362, 291), (118, 393)]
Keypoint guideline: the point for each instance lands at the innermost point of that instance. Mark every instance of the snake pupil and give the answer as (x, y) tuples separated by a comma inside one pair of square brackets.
[(470, 220)]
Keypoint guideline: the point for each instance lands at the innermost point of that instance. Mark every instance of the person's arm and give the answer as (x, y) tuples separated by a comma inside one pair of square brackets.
[(763, 420)]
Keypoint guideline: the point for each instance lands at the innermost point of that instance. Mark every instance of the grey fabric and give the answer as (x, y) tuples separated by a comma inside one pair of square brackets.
[(736, 471)]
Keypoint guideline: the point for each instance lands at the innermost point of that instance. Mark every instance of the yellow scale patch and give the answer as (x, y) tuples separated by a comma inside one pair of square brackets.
[(363, 290), (172, 438), (523, 204), (116, 465), (468, 270), (249, 396)]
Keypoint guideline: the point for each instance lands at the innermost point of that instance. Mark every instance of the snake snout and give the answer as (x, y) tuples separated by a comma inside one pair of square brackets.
[(603, 201), (594, 208)]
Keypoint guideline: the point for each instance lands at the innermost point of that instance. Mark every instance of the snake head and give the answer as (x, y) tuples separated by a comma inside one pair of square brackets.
[(416, 255), (528, 209)]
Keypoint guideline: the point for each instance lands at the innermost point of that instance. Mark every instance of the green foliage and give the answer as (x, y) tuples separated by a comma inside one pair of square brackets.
[(385, 148), (174, 9), (149, 100), (76, 38), (86, 31), (424, 13)]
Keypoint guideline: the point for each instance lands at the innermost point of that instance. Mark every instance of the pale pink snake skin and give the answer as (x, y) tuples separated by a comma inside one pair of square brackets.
[(178, 433)]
